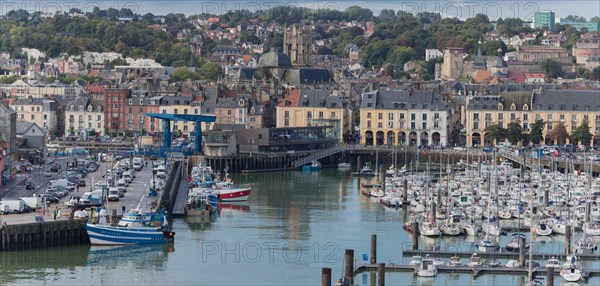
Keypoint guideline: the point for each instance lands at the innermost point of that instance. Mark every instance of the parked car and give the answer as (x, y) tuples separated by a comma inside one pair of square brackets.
[(81, 183), (50, 198), (460, 148), (594, 157), (55, 168)]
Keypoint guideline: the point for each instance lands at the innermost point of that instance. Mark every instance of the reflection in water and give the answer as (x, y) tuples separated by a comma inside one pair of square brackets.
[(144, 256), (36, 264)]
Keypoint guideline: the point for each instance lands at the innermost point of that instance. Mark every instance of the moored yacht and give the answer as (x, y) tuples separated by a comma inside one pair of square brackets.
[(427, 268), (571, 271)]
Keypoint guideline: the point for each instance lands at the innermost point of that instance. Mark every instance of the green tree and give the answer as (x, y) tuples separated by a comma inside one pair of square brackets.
[(117, 62), (583, 73), (514, 133), (595, 74), (184, 74), (211, 71), (559, 133), (495, 132), (535, 135), (8, 79), (50, 79), (356, 31), (490, 48), (552, 68), (582, 134)]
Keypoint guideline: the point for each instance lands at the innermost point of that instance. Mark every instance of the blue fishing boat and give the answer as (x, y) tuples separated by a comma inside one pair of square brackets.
[(136, 227)]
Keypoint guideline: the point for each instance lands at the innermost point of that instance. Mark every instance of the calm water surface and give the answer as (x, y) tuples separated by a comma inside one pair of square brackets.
[(293, 225)]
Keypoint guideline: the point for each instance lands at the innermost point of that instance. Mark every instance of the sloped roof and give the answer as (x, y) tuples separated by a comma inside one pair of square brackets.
[(274, 59)]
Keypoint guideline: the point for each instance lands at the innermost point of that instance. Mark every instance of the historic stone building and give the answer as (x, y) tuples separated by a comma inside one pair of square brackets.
[(297, 44)]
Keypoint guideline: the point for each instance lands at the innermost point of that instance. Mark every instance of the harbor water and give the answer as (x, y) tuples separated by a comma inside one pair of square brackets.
[(294, 224)]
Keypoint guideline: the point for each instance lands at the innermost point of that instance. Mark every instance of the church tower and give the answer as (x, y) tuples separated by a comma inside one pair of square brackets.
[(297, 44)]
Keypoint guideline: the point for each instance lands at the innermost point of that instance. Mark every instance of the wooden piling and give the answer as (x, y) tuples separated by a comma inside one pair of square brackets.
[(381, 274), (349, 267), (325, 276), (404, 190), (373, 248), (415, 235), (522, 251), (434, 212), (568, 240), (549, 276)]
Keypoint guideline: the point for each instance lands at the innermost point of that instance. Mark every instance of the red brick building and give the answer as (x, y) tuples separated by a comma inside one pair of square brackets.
[(114, 110)]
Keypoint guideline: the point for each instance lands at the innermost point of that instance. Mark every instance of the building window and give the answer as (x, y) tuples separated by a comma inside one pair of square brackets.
[(413, 116), (379, 125), (549, 117), (185, 128), (488, 116), (424, 116), (368, 114), (99, 117), (413, 126), (130, 111), (229, 112), (286, 114), (380, 116), (333, 115), (549, 124), (487, 124), (401, 116), (436, 124), (390, 116), (185, 111), (574, 117), (424, 125), (321, 114), (561, 117), (45, 117), (32, 117), (525, 126), (525, 117), (500, 116), (512, 117), (538, 117), (436, 116), (286, 122), (476, 125), (309, 115), (368, 123), (476, 116)]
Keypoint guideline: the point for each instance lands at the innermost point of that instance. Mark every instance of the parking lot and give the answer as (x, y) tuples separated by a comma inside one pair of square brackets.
[(140, 186)]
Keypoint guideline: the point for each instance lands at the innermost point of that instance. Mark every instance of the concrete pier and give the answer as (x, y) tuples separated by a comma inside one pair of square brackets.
[(42, 234)]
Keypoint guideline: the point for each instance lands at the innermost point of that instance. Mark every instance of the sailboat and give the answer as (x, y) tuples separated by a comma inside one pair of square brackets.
[(492, 231), (571, 271)]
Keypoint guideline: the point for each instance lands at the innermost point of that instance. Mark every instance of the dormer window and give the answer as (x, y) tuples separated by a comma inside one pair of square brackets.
[(241, 102), (90, 108), (130, 101), (525, 107), (513, 107)]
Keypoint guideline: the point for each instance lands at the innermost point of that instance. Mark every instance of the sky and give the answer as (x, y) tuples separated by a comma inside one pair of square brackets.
[(458, 8)]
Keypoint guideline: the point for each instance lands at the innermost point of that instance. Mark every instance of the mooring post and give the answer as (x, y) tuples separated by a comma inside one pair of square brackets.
[(434, 212), (381, 274), (549, 276), (404, 190), (373, 248), (568, 240), (415, 235), (349, 267), (325, 276), (521, 251)]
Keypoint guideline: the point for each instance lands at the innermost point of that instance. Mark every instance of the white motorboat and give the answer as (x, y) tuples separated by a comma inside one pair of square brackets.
[(471, 229), (427, 268), (344, 165), (416, 260), (475, 261), (586, 245), (428, 228), (542, 229), (487, 245), (505, 214), (513, 244), (451, 227), (571, 271), (454, 261), (490, 228), (513, 263), (591, 228), (553, 262)]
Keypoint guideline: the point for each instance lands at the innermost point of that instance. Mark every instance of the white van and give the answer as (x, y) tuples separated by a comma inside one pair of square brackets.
[(127, 176), (33, 203), (113, 194), (121, 183), (14, 206), (62, 183)]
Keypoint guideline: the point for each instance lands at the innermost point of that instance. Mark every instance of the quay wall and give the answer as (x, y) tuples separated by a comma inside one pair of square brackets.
[(42, 234), (357, 157)]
